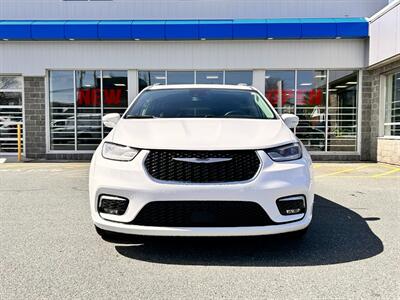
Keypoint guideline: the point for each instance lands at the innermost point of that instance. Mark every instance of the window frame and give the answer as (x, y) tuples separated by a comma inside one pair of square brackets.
[(384, 96), (22, 91), (48, 106)]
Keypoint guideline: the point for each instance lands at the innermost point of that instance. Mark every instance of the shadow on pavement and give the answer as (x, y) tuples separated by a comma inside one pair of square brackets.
[(336, 235)]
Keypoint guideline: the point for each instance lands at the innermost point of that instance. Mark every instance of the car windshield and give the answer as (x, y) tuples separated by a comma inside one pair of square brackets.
[(200, 103)]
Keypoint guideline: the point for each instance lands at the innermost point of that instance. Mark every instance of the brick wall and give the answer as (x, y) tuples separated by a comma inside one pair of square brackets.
[(35, 130)]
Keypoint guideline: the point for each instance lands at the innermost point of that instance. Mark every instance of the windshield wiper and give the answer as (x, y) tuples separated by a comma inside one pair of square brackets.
[(140, 117)]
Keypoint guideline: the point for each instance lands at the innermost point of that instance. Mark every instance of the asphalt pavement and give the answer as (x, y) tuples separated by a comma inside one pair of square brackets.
[(49, 249)]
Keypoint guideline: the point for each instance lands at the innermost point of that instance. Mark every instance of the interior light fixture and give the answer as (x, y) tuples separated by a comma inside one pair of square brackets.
[(212, 77), (267, 77), (160, 77), (320, 76), (87, 85), (341, 86), (351, 82), (306, 84), (119, 84), (332, 90)]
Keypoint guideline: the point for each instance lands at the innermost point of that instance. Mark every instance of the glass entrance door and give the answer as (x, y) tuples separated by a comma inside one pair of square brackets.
[(10, 112)]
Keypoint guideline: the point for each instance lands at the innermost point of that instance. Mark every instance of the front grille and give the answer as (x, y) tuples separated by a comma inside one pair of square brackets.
[(202, 214), (243, 165)]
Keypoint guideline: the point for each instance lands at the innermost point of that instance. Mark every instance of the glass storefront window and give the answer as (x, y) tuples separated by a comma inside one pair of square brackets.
[(115, 93), (10, 83), (311, 109), (88, 109), (180, 77), (342, 111), (211, 77), (77, 106), (280, 90), (10, 112), (62, 110), (392, 105), (239, 77), (147, 78)]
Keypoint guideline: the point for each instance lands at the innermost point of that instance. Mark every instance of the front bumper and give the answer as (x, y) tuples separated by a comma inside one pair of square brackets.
[(130, 180)]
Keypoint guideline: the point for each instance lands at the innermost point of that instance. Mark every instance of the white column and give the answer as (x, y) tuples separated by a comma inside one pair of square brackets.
[(259, 80), (133, 85)]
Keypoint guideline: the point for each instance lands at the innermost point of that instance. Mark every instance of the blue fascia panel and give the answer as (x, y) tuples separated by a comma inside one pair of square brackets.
[(216, 29), (81, 30), (148, 30), (284, 28), (318, 28), (48, 30), (250, 29), (115, 30), (15, 30), (352, 27), (182, 30)]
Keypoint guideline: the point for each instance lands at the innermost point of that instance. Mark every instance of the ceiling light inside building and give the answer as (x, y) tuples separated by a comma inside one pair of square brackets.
[(306, 84), (341, 86), (160, 77), (212, 77), (320, 76), (119, 84), (351, 82)]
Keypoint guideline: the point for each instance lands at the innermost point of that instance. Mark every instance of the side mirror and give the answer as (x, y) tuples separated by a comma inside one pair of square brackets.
[(110, 120), (290, 120)]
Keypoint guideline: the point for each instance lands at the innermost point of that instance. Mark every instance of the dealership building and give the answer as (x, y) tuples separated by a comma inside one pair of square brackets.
[(335, 64)]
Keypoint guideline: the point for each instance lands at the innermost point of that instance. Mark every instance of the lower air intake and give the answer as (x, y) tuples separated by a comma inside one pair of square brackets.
[(202, 214)]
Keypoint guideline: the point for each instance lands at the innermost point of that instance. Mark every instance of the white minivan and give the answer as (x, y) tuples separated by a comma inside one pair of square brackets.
[(201, 160)]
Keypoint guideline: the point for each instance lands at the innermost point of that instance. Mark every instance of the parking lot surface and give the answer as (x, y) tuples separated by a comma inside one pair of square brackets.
[(49, 249)]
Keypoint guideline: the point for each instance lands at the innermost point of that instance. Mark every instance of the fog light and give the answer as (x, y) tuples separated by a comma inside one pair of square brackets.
[(292, 205), (113, 205)]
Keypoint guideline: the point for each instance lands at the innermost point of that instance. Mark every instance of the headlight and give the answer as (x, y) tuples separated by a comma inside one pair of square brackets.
[(285, 153), (118, 152)]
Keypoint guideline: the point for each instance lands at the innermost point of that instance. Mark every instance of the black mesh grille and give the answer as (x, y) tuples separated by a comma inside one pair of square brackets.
[(243, 166), (202, 214)]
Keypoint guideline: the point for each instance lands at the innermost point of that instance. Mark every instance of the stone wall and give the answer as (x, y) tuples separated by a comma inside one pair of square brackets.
[(389, 150), (370, 123)]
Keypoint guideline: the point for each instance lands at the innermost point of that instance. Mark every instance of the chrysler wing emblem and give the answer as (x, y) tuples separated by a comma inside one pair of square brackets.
[(197, 160)]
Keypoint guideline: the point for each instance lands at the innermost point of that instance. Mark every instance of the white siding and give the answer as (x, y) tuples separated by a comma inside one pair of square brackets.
[(186, 9), (33, 58), (385, 35)]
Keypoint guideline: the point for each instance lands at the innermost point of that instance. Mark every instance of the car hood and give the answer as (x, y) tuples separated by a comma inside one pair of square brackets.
[(201, 134)]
